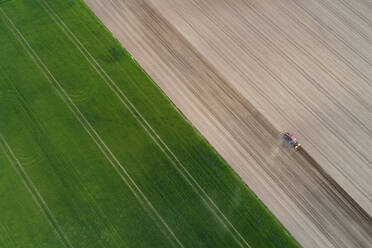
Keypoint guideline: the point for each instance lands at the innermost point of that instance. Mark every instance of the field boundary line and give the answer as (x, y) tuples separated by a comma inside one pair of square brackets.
[(126, 178), (146, 126), (34, 192)]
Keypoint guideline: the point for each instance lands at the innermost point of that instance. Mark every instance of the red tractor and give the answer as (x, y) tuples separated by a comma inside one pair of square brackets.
[(290, 140)]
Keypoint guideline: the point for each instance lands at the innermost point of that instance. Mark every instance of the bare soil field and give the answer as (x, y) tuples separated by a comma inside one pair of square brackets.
[(242, 71)]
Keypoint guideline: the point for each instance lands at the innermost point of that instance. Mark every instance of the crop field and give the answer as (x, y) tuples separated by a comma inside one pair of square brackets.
[(93, 154)]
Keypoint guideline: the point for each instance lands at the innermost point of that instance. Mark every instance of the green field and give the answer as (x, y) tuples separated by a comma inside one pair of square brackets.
[(93, 154)]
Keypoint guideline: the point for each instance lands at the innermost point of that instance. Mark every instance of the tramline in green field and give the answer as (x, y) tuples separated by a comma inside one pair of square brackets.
[(95, 155)]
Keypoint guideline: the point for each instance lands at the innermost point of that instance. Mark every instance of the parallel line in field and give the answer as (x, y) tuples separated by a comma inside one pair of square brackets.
[(127, 179), (278, 79), (356, 12), (146, 126), (332, 31), (311, 110), (334, 51), (253, 153), (310, 78), (344, 20), (34, 192), (317, 61), (335, 101), (251, 149), (303, 72)]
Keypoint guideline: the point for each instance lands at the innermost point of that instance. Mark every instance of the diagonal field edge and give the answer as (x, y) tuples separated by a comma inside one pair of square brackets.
[(34, 192), (145, 203), (146, 126)]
